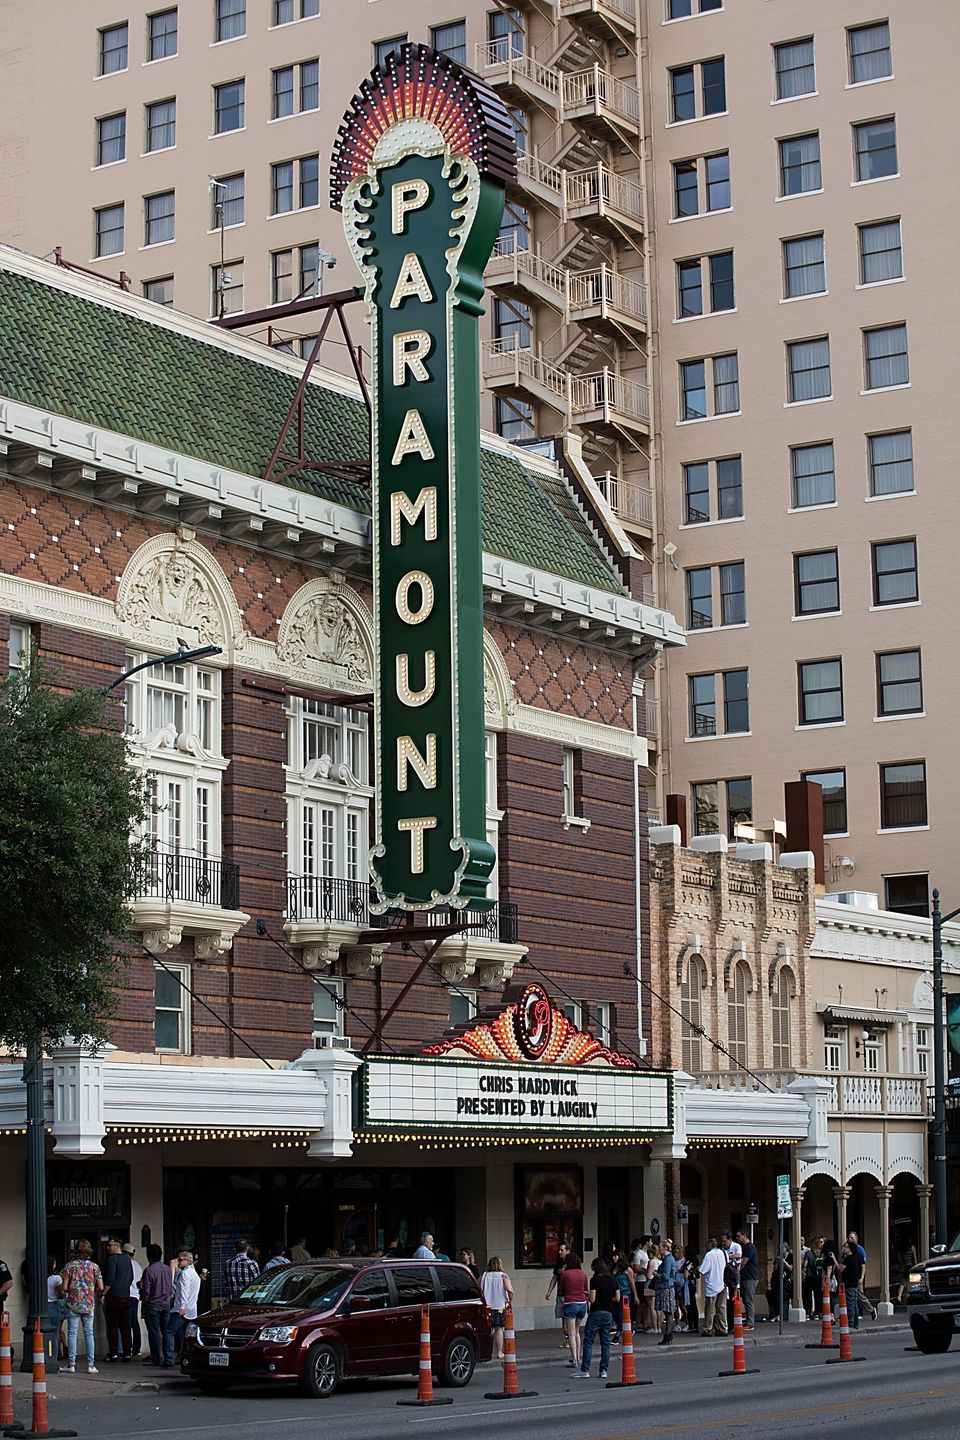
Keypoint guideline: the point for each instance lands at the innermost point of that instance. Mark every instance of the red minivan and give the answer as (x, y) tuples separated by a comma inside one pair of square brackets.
[(333, 1319)]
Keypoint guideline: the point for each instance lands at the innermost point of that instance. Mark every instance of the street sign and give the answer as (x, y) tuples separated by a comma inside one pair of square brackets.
[(753, 1215), (683, 1214), (784, 1203)]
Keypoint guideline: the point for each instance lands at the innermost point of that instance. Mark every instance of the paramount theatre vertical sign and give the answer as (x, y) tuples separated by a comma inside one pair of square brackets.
[(419, 171)]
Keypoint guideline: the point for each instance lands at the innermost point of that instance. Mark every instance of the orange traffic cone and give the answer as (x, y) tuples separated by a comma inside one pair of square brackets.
[(425, 1386), (6, 1376), (511, 1384), (846, 1349), (739, 1354), (628, 1370), (40, 1424), (826, 1328)]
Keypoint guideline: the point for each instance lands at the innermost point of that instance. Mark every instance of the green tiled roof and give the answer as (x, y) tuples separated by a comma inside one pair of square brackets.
[(62, 352)]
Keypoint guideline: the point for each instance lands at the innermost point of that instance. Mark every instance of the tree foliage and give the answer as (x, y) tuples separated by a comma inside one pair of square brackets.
[(68, 804)]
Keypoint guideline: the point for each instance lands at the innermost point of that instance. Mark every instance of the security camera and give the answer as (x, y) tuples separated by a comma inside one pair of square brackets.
[(331, 262)]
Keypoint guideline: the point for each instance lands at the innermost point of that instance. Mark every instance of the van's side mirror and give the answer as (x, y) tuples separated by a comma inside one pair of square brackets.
[(361, 1302)]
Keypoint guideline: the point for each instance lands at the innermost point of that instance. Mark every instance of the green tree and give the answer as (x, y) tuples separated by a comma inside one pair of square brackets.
[(68, 804)]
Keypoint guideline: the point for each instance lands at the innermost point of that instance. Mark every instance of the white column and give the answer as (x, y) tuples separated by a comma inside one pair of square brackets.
[(797, 1311), (883, 1193)]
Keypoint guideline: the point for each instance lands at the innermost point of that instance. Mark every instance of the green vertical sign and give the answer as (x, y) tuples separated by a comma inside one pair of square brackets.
[(419, 173)]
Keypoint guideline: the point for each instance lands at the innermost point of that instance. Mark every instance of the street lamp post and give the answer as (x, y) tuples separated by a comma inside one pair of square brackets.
[(939, 1076), (36, 1187)]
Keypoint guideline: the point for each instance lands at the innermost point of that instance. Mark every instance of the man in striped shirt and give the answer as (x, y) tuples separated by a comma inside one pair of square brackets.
[(239, 1271)]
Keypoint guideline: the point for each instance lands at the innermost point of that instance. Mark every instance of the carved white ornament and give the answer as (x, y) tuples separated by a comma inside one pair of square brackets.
[(326, 626), (173, 581)]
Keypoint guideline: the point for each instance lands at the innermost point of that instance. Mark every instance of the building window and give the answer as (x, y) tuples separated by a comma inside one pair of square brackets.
[(821, 691), (572, 783), (737, 1002), (161, 125), (283, 271), (736, 701), (691, 1014), (875, 1052), (450, 40), (327, 804), (693, 390), (800, 164), (162, 35), (512, 324), (513, 419), (903, 795), (158, 218), (781, 1022), (309, 181), (795, 68), (891, 462), (909, 895), (725, 388), (725, 478), (112, 138), (505, 33), (726, 384), (228, 107), (283, 90), (228, 197), (685, 198), (227, 289), (869, 52), (718, 181), (295, 180), (703, 704), (328, 1009), (681, 9), (899, 683), (739, 806), (690, 284), (706, 808), (733, 594), (835, 1047), (310, 85), (383, 49), (549, 1213), (881, 252), (160, 290), (231, 19), (715, 170), (875, 148), (514, 232), (816, 582), (812, 475), (808, 370), (833, 783), (285, 11), (700, 598), (922, 1032), (108, 231), (684, 90), (113, 48), (281, 187), (171, 1006), (463, 1006), (19, 647), (895, 572), (885, 358), (804, 270)]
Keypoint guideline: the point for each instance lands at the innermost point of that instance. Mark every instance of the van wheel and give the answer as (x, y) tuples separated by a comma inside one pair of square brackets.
[(932, 1342), (459, 1362), (322, 1372)]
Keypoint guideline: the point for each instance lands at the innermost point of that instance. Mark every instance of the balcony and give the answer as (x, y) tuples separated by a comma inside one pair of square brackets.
[(607, 108), (851, 1092), (506, 366), (511, 270), (600, 199), (606, 401), (487, 952), (539, 180), (603, 401), (518, 77), (610, 303), (181, 895), (607, 19), (629, 501)]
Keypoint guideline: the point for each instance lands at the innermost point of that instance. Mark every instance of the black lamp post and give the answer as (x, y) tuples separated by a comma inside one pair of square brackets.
[(939, 1076), (36, 1152)]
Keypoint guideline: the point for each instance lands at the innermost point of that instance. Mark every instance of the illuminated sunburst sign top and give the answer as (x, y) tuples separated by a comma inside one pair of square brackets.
[(417, 83)]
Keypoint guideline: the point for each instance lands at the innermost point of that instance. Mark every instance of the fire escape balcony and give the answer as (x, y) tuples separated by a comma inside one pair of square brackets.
[(610, 404), (524, 373), (325, 919), (524, 273), (537, 180), (602, 201), (607, 19), (181, 895), (518, 77), (609, 303), (630, 502), (603, 106)]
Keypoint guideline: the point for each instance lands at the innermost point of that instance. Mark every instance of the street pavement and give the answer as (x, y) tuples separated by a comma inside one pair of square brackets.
[(793, 1394)]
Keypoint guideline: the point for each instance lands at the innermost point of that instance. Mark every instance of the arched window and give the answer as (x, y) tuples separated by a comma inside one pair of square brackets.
[(781, 1021), (691, 1009), (737, 1013)]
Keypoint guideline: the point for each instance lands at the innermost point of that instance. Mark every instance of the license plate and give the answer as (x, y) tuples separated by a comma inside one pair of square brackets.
[(219, 1357), (956, 1321)]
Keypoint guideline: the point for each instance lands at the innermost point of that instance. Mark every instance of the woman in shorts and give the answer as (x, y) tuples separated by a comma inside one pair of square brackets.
[(498, 1294), (573, 1287)]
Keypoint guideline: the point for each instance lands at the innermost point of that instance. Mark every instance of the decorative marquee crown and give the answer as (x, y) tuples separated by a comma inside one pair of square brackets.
[(417, 82)]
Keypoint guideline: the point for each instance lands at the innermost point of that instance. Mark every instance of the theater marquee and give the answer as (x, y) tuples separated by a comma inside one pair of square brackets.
[(419, 171)]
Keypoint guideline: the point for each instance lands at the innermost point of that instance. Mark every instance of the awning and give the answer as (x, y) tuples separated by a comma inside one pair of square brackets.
[(861, 1014)]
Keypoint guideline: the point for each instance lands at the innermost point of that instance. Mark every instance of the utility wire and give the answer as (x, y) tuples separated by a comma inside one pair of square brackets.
[(194, 996), (555, 985)]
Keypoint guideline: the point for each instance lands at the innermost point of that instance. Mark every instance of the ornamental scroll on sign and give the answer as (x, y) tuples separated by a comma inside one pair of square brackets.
[(419, 170)]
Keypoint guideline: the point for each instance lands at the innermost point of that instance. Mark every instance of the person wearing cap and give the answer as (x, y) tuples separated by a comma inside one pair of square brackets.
[(135, 1336), (117, 1280)]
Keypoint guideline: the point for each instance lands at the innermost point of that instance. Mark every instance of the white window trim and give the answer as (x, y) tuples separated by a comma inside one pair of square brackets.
[(324, 985), (182, 971), (339, 789)]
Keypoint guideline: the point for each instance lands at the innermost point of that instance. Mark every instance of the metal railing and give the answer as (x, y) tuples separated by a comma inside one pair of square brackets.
[(595, 88), (851, 1092), (590, 288), (627, 499), (327, 900), (539, 172), (598, 187), (499, 55), (580, 395), (608, 391), (194, 879), (508, 259), (625, 8), (502, 359)]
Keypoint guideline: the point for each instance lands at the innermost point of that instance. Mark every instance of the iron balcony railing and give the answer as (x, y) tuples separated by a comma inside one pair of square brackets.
[(327, 901), (194, 879)]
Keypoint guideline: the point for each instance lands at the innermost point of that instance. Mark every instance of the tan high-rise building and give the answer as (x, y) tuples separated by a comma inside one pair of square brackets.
[(724, 265)]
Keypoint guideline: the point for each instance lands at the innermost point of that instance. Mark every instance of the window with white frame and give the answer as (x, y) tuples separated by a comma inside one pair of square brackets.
[(835, 1047), (922, 1049), (328, 797), (781, 1021), (173, 724), (19, 646), (493, 811), (171, 1008), (875, 1052), (463, 1006), (691, 1011), (600, 1020), (738, 999), (328, 1008)]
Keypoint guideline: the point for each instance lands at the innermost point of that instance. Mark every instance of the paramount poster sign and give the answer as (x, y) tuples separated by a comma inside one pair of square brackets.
[(419, 172)]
